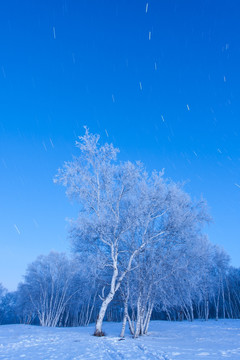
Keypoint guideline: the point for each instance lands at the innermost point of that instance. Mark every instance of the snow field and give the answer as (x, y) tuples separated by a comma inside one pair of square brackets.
[(166, 341)]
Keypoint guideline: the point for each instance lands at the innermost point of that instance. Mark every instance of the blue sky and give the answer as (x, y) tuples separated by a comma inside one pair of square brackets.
[(159, 79)]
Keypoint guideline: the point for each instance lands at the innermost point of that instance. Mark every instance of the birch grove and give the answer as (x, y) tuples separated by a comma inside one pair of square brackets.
[(47, 287), (139, 253)]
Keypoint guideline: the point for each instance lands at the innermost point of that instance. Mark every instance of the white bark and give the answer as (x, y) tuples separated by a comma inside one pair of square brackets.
[(115, 284), (125, 315)]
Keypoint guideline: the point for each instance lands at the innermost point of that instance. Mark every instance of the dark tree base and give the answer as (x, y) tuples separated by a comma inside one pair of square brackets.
[(99, 333)]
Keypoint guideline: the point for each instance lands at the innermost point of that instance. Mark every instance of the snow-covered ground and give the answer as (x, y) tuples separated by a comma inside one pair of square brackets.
[(166, 340)]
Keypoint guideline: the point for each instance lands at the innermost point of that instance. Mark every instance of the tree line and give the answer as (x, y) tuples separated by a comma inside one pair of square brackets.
[(58, 291), (139, 252)]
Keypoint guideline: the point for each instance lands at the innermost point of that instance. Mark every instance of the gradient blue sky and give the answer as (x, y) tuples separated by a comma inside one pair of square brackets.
[(159, 79)]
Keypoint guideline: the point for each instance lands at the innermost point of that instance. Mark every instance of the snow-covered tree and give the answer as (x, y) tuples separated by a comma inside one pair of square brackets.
[(123, 211), (166, 277), (8, 314), (233, 292), (47, 288), (108, 194), (80, 309)]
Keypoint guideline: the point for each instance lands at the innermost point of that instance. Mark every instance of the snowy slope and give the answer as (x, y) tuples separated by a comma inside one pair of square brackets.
[(177, 340)]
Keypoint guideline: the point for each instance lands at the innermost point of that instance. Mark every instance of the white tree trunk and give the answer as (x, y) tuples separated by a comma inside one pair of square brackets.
[(102, 312), (115, 284), (148, 317), (125, 316), (106, 302), (139, 314)]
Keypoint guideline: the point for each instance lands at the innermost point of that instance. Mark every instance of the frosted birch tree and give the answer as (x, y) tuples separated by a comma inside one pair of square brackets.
[(119, 206), (48, 288), (80, 309), (169, 261)]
